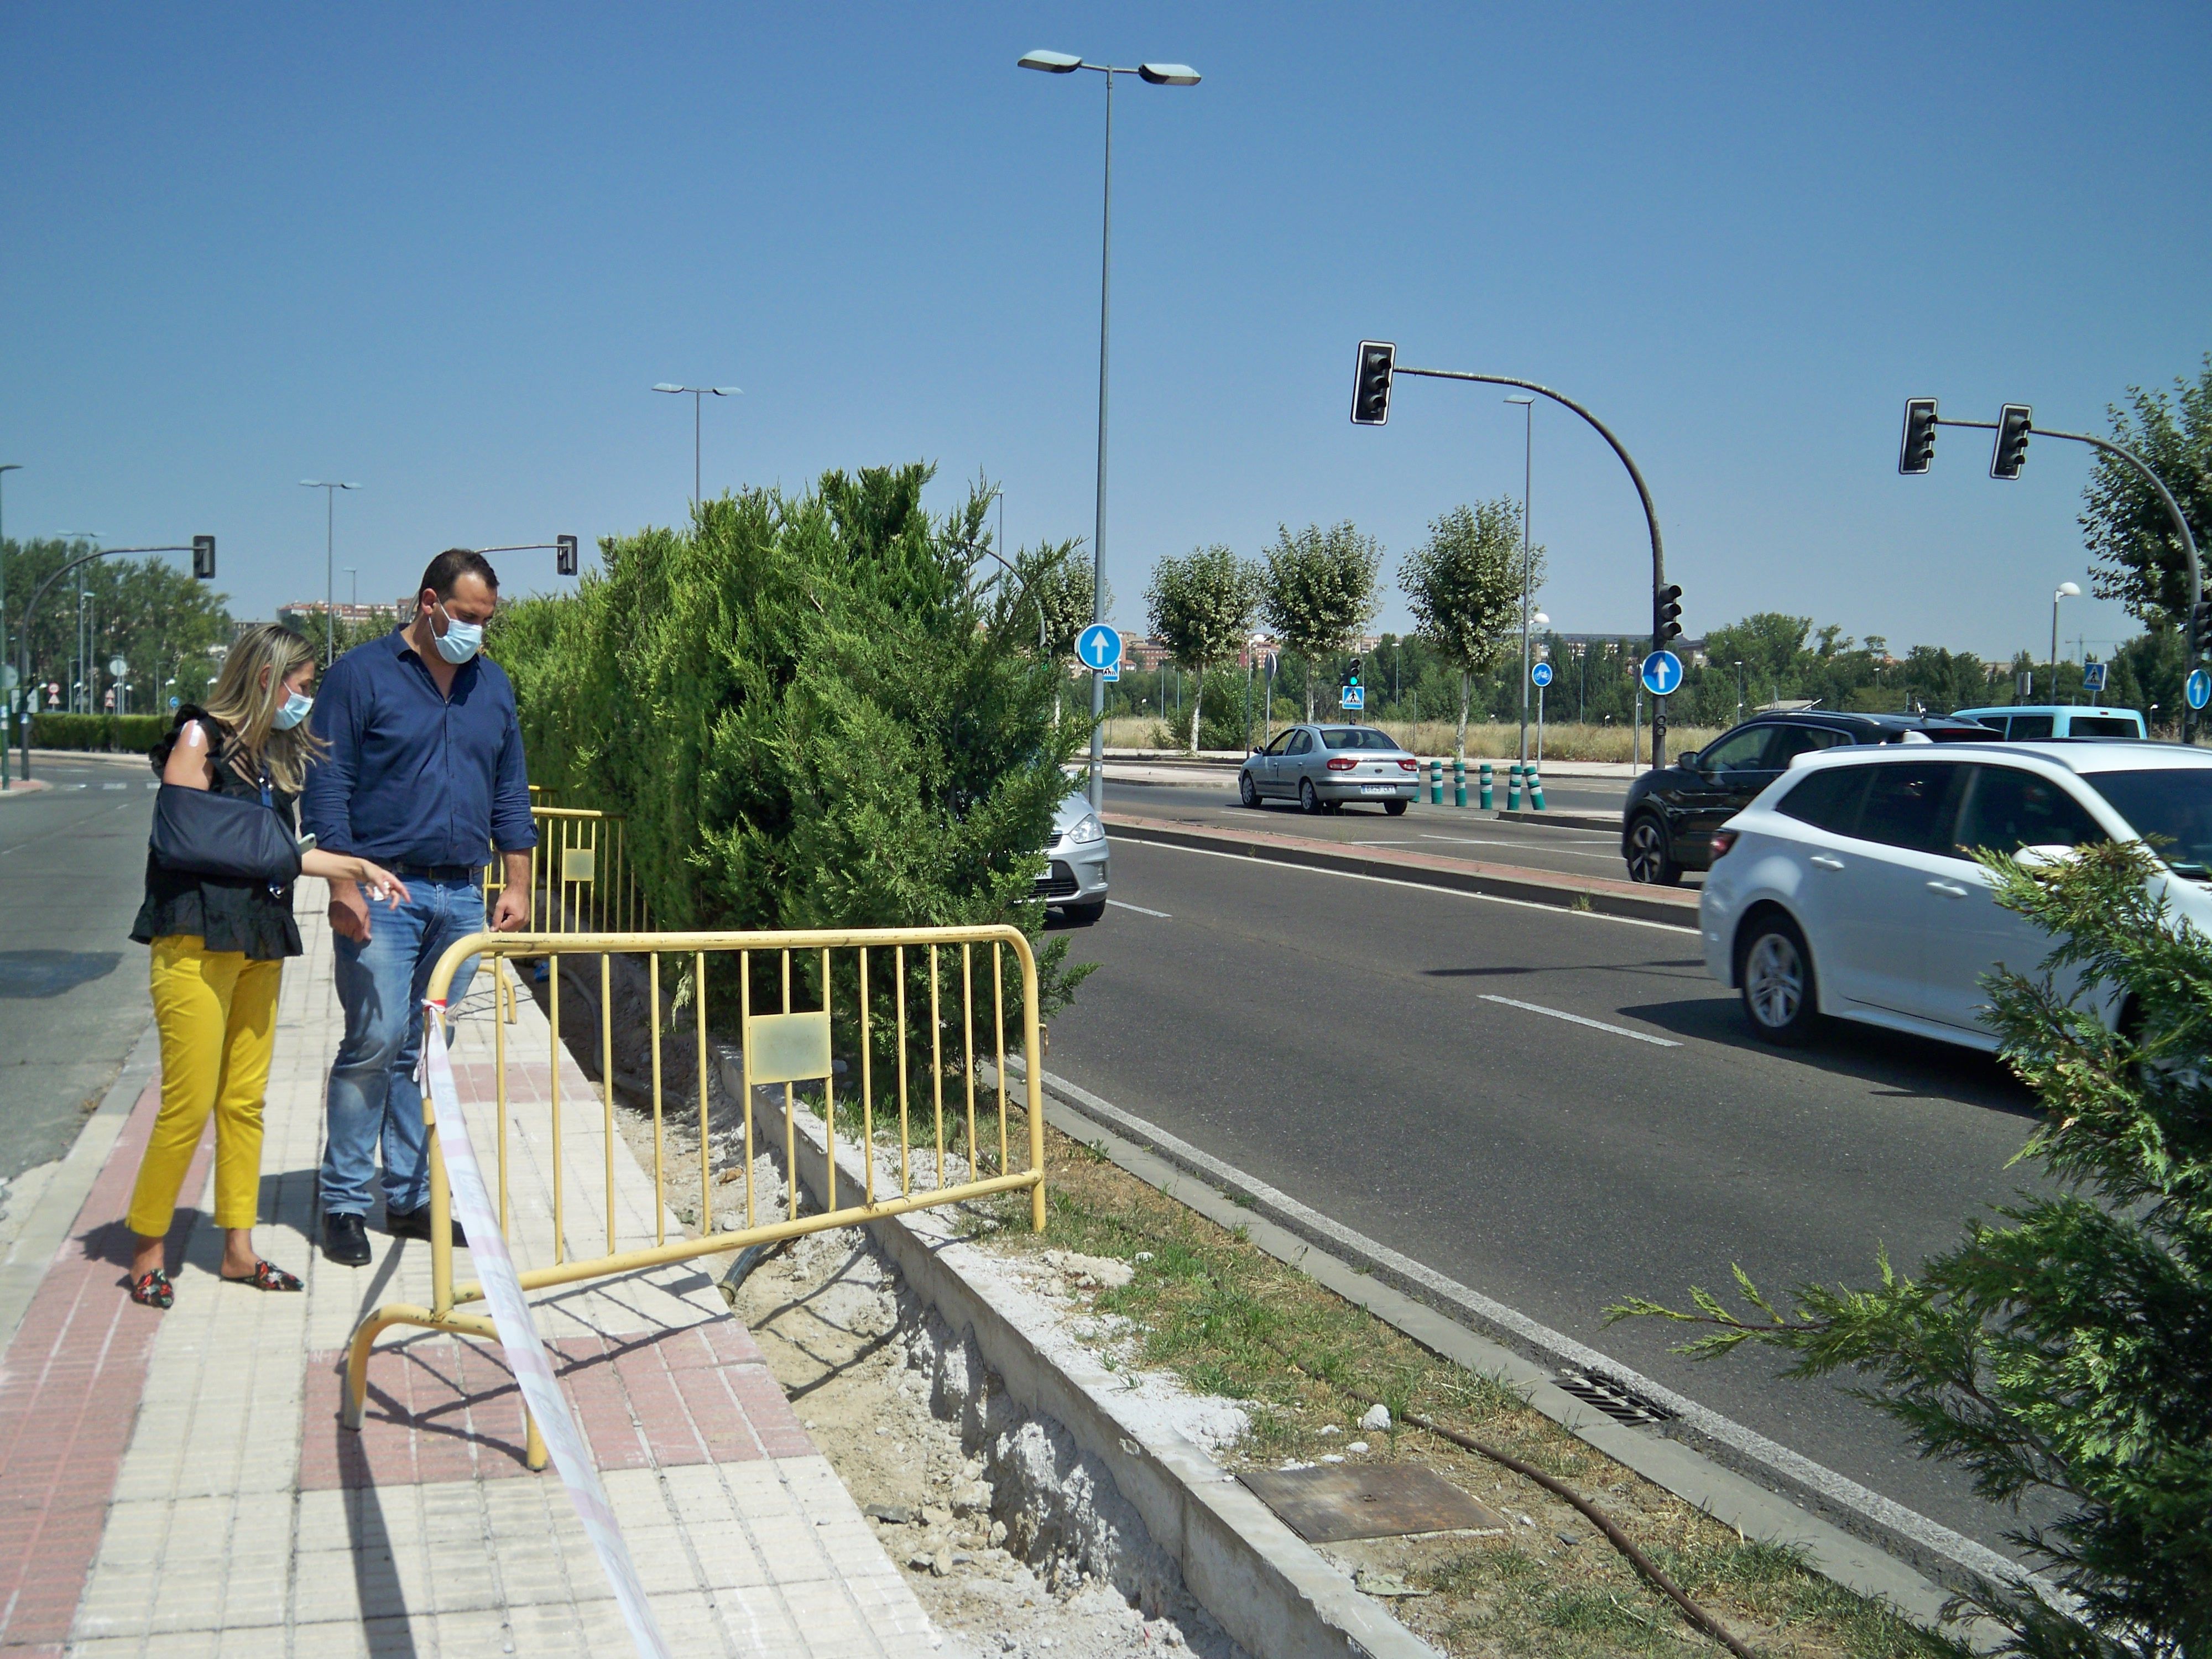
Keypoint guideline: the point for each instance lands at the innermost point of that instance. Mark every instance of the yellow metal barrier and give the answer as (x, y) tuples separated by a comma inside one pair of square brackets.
[(581, 879), (784, 1045)]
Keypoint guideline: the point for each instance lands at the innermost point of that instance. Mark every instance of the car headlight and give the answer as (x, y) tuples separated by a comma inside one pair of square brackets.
[(1085, 830)]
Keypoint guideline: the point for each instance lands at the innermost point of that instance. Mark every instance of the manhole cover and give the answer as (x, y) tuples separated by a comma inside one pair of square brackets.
[(1367, 1500)]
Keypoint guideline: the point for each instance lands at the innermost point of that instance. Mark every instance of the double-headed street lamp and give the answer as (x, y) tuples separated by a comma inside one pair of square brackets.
[(329, 487), (697, 393), (7, 697), (1157, 74)]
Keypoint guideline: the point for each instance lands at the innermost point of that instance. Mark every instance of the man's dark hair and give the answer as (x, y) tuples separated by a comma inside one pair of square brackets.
[(450, 566)]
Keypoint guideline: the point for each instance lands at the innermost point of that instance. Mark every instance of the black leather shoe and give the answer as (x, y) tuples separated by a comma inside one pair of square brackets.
[(416, 1224), (345, 1240)]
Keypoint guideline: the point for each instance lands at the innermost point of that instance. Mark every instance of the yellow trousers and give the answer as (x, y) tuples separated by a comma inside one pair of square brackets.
[(217, 1015)]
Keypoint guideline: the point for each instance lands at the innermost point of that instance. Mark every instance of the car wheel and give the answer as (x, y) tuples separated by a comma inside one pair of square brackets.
[(1247, 791), (1307, 800), (1082, 915), (1648, 857), (1396, 808), (1778, 994)]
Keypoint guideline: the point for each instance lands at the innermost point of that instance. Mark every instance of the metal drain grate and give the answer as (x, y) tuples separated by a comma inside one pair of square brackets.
[(1621, 1403)]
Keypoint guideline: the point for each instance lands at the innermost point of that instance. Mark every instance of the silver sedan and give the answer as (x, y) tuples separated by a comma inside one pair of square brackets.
[(1322, 767), (1074, 881)]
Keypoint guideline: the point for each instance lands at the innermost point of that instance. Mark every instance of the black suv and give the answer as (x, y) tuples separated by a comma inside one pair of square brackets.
[(1667, 826)]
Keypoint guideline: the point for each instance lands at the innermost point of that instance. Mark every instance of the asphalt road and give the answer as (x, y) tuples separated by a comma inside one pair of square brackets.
[(1344, 1040), (73, 997), (1449, 830)]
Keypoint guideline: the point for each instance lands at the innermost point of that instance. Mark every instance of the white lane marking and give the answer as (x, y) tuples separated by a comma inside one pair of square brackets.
[(1595, 1024), (115, 785), (1140, 909), (1524, 845), (1418, 886)]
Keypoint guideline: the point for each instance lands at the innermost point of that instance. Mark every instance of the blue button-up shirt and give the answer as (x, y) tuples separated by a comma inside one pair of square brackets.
[(414, 777)]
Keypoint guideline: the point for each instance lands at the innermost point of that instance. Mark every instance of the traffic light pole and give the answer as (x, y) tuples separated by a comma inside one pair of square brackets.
[(2173, 511), (1643, 494), (23, 627)]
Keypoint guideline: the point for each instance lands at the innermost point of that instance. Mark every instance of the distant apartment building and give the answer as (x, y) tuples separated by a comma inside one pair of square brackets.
[(307, 615)]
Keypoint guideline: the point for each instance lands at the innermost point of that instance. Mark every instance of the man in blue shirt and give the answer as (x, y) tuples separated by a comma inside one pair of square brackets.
[(424, 775)]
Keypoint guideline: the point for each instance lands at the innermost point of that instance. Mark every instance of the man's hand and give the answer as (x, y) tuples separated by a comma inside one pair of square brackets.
[(349, 911), (511, 914)]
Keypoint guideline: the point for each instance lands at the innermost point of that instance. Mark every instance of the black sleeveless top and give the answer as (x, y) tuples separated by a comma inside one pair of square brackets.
[(226, 912)]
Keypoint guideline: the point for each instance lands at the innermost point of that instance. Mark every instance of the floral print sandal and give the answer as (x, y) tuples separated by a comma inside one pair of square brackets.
[(266, 1276), (153, 1290)]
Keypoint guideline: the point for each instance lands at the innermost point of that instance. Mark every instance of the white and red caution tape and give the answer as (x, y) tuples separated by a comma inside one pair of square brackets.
[(526, 1354)]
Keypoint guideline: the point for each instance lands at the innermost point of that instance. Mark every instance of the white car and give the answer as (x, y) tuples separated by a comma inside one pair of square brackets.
[(1074, 881), (1845, 888)]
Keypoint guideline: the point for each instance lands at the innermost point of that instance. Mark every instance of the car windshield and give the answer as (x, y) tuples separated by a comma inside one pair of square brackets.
[(2171, 807), (1357, 737)]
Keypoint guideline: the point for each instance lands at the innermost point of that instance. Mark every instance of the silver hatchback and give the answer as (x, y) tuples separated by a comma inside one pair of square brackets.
[(1322, 767)]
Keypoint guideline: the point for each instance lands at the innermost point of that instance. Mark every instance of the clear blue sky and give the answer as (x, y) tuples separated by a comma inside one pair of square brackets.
[(444, 251)]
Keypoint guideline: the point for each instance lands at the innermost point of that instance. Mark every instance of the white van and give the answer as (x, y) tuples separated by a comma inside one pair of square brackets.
[(2026, 722)]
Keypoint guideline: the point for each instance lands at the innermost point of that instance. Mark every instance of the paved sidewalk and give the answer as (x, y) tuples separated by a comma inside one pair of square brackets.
[(177, 1484)]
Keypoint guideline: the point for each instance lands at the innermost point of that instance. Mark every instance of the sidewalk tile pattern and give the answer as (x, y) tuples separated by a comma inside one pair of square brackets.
[(193, 1460)]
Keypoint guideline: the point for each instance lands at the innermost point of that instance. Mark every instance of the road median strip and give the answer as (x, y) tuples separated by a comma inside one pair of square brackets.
[(1668, 907)]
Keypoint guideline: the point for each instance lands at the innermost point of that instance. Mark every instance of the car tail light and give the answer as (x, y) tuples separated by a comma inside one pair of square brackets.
[(1408, 763), (1722, 840), (1342, 764)]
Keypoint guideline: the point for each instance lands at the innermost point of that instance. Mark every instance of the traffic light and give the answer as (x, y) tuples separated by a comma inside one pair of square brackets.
[(1352, 675), (1370, 386), (564, 555), (1666, 613), (1919, 446), (2013, 424), (203, 557), (2200, 630)]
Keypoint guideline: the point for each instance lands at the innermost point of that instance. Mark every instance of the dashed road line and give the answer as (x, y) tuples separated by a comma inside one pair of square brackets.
[(1595, 1024)]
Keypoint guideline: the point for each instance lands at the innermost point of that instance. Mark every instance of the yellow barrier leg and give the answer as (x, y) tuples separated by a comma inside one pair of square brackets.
[(533, 1444)]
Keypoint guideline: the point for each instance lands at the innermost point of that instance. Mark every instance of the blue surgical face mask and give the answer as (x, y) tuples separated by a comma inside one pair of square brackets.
[(460, 641), (294, 711)]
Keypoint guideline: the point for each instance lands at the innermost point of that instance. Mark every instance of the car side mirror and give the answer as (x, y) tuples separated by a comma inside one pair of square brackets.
[(1691, 760)]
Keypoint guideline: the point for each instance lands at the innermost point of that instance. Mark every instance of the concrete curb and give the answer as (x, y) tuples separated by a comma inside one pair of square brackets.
[(55, 1211), (1559, 820), (1665, 906), (1266, 1586), (24, 786), (1863, 1541)]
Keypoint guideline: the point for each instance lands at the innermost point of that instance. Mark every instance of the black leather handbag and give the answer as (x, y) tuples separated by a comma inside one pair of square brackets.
[(201, 832)]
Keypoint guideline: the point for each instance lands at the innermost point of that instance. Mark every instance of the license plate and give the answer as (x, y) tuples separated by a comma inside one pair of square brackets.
[(1378, 788)]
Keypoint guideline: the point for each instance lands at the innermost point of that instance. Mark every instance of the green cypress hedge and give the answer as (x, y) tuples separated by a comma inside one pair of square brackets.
[(803, 710), (117, 733)]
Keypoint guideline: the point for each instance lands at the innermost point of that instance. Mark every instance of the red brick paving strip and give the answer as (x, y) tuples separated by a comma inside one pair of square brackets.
[(445, 1410), (70, 1387)]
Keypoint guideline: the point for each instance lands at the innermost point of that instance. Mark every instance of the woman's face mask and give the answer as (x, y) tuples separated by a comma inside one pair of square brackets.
[(295, 708), (460, 641)]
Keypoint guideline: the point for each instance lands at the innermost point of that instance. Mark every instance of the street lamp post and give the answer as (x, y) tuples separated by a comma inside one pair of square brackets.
[(329, 487), (1158, 74), (1538, 620), (7, 719), (1739, 694), (2063, 591), (697, 393), (1527, 457)]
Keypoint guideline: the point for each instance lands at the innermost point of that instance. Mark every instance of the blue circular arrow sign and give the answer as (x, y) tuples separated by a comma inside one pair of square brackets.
[(1662, 673), (1099, 646), (2197, 688), (1540, 674)]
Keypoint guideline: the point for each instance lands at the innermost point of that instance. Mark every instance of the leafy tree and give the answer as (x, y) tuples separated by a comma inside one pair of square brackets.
[(1201, 605), (149, 612), (1053, 578), (2140, 559), (1464, 588), (1319, 590), (2065, 1353)]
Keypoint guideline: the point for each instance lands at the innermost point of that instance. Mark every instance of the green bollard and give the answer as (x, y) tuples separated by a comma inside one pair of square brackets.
[(1513, 787), (1436, 783), (1459, 781), (1487, 796), (1535, 791)]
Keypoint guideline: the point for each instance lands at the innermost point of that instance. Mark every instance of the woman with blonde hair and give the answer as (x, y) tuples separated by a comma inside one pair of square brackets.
[(219, 943)]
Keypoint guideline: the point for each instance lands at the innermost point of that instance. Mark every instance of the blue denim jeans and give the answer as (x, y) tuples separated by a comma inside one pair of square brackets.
[(374, 1098)]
